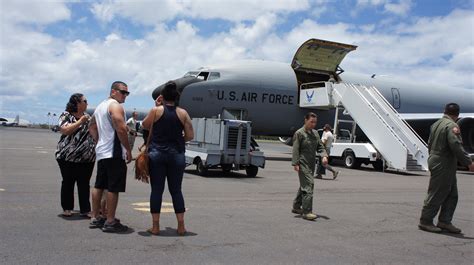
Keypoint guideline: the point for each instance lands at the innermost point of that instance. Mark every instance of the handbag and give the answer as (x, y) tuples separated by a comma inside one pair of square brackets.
[(142, 168)]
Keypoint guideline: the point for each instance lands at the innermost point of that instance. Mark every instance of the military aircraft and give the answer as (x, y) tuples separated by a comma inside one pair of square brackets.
[(267, 93)]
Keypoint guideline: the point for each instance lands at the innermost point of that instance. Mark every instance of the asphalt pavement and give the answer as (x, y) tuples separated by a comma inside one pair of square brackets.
[(365, 217)]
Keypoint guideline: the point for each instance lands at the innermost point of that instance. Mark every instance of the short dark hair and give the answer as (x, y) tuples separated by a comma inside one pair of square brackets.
[(310, 115), (75, 98), (115, 85), (170, 91), (327, 126), (452, 109)]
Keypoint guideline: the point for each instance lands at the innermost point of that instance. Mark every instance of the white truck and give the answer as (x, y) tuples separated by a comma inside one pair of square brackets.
[(225, 144)]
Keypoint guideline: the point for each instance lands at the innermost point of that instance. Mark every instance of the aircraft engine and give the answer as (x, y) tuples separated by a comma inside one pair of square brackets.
[(467, 133), (286, 140)]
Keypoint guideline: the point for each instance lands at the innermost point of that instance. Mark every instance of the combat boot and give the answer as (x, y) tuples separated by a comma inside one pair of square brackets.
[(429, 227), (309, 216), (449, 228)]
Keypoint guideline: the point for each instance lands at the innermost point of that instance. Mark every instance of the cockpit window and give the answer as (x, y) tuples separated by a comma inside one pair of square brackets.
[(214, 75), (203, 75), (191, 74)]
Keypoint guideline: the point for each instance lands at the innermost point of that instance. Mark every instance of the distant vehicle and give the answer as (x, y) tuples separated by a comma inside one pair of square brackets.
[(55, 128)]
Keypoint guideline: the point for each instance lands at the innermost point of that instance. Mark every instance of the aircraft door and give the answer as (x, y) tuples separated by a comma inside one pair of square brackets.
[(395, 98)]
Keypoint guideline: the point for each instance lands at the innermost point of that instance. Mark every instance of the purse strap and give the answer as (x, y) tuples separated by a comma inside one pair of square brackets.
[(151, 131)]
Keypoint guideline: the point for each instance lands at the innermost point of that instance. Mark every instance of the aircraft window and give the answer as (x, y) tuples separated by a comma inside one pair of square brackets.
[(214, 75), (203, 75), (191, 74)]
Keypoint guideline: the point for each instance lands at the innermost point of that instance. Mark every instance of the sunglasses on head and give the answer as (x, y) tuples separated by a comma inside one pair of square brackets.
[(124, 92)]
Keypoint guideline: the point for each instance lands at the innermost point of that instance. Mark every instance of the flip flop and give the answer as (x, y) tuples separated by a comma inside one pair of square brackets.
[(150, 230), (64, 214)]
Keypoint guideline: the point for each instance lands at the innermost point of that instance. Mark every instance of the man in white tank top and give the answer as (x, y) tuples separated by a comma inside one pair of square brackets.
[(113, 151)]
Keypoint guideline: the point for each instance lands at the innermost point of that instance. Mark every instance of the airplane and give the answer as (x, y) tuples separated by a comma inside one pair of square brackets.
[(9, 122), (267, 93)]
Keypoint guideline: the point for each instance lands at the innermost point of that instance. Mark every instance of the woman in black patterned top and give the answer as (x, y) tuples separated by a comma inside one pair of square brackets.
[(75, 155)]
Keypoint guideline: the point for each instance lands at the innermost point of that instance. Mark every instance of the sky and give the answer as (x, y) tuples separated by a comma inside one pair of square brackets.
[(52, 49)]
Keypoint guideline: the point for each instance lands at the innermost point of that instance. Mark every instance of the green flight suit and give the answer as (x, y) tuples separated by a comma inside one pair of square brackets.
[(446, 150), (305, 146)]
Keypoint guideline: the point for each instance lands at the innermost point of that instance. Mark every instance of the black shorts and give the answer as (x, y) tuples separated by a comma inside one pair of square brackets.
[(111, 174)]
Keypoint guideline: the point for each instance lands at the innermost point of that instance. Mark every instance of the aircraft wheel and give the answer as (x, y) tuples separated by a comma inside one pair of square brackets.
[(251, 171), (201, 168), (350, 161)]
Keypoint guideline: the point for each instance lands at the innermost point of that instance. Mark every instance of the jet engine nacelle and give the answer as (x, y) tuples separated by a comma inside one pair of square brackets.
[(467, 133), (286, 140)]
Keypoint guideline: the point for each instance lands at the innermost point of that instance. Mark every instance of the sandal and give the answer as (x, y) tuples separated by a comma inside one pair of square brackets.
[(86, 215), (66, 213)]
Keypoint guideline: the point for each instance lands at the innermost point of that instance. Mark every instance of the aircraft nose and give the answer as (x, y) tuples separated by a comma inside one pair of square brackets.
[(181, 83)]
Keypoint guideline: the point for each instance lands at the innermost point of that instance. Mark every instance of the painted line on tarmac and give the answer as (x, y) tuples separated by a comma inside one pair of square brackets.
[(2, 189)]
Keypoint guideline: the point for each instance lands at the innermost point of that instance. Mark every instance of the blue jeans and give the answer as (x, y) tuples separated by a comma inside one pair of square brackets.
[(166, 165)]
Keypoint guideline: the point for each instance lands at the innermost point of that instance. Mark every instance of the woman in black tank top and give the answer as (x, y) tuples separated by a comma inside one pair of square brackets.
[(166, 153)]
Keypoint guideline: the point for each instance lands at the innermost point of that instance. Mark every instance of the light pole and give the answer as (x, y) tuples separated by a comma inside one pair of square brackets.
[(49, 120)]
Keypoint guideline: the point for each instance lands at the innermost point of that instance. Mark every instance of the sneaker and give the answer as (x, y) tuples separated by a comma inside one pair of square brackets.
[(429, 228), (449, 228), (115, 227), (309, 216), (97, 222), (334, 175), (319, 176), (297, 211)]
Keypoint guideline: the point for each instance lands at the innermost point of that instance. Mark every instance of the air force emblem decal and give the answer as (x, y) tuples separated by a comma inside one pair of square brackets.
[(309, 97)]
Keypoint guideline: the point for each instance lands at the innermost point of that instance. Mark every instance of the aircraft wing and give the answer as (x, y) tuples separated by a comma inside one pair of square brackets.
[(430, 116)]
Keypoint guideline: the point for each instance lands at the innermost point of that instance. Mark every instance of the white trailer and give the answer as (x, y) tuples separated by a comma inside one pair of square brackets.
[(225, 144)]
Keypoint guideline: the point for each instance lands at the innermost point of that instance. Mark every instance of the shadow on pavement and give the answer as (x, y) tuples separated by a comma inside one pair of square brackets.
[(217, 173), (73, 217), (319, 216), (168, 232), (460, 236)]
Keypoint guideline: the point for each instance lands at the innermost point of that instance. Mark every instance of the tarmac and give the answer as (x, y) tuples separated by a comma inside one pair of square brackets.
[(365, 217)]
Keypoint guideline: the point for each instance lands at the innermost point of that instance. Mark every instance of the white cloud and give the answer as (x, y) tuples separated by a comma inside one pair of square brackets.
[(33, 11), (400, 7), (155, 12)]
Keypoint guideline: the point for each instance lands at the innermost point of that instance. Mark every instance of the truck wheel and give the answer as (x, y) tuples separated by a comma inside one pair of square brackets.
[(226, 168), (201, 168), (350, 161), (251, 171)]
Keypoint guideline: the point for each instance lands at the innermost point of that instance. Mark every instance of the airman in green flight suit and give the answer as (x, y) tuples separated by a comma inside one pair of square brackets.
[(446, 151), (306, 143)]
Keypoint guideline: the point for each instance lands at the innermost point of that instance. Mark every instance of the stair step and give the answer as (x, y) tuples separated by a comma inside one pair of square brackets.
[(414, 168)]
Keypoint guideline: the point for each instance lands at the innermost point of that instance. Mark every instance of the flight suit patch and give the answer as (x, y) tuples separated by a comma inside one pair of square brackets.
[(456, 130)]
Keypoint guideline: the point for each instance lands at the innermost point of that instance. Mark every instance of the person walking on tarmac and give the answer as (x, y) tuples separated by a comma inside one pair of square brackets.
[(306, 143), (327, 139), (446, 151)]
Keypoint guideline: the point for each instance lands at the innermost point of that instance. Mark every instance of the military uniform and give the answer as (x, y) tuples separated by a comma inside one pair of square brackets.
[(305, 146), (445, 148)]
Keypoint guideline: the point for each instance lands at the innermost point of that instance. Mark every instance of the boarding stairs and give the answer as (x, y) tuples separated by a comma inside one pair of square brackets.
[(400, 146)]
